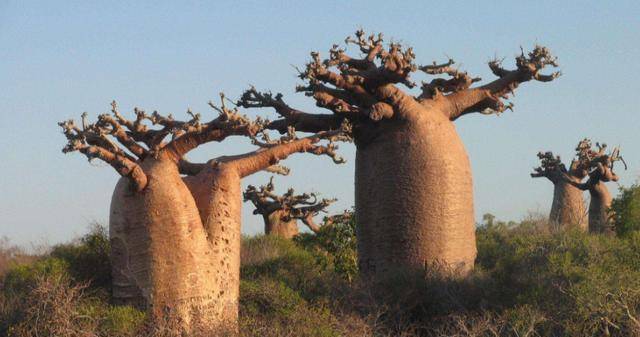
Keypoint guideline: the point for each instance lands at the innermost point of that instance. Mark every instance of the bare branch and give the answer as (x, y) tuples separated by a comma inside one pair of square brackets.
[(550, 167), (189, 135), (488, 98), (278, 169), (272, 152), (92, 143), (459, 80), (361, 78), (363, 89), (598, 163), (113, 127), (302, 121), (292, 206)]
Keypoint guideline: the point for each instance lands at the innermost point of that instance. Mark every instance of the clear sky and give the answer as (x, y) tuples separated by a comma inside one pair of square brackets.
[(60, 58)]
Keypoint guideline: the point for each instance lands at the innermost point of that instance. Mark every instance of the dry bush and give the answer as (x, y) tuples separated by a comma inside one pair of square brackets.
[(529, 281), (11, 255), (54, 309), (258, 249)]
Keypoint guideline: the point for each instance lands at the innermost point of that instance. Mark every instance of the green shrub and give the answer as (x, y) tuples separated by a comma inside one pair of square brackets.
[(258, 249), (88, 258), (571, 278), (337, 243), (47, 296), (294, 266), (528, 281), (121, 321), (626, 210), (23, 277), (270, 308), (43, 298)]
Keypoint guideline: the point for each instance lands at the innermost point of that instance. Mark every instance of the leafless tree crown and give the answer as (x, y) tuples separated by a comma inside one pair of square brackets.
[(124, 143), (363, 88), (293, 206)]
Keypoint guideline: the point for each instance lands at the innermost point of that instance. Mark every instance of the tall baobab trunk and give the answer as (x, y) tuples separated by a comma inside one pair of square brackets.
[(599, 209), (567, 208), (163, 254), (414, 199), (274, 224), (217, 192), (599, 166), (129, 243), (282, 212), (176, 241)]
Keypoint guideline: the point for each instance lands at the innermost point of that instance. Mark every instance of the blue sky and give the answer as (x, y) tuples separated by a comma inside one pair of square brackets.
[(58, 59)]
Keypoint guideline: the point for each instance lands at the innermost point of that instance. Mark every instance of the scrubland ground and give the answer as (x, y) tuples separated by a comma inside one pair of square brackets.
[(529, 281)]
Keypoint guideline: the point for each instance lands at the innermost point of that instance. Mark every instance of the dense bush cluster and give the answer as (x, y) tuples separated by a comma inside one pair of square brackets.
[(337, 244), (625, 210), (65, 293), (529, 281)]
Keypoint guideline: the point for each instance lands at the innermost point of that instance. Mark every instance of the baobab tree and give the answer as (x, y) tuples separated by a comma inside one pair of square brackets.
[(176, 241), (282, 212), (413, 193), (568, 207), (599, 165)]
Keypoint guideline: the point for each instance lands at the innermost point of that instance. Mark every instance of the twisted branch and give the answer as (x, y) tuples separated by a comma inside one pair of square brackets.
[(271, 152), (488, 98), (124, 143), (597, 163), (91, 141), (292, 206), (550, 166)]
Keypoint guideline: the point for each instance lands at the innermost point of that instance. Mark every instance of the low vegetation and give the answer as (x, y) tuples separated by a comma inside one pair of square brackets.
[(626, 210), (529, 281)]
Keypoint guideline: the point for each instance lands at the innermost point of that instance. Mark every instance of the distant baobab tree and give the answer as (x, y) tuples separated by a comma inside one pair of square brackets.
[(282, 212), (413, 193), (176, 240), (599, 165), (568, 206)]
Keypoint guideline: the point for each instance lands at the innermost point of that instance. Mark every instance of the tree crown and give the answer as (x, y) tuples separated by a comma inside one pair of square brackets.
[(364, 89)]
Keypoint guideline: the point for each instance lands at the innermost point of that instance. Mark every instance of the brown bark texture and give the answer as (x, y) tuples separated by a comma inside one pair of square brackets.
[(568, 206), (598, 163), (282, 212), (176, 240), (414, 194)]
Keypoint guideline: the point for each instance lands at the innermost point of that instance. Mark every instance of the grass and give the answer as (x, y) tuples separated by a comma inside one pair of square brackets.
[(529, 281)]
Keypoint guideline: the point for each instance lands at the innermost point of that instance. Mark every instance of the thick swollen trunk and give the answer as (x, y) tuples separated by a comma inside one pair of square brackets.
[(218, 194), (129, 244), (568, 208), (414, 198), (164, 259), (274, 225), (599, 216)]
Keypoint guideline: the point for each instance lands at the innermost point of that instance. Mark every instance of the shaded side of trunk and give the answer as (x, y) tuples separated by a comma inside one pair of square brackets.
[(275, 225), (568, 207), (129, 242), (218, 194), (414, 198), (163, 255), (599, 216)]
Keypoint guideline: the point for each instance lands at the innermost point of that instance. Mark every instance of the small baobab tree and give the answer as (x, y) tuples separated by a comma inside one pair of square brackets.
[(599, 165), (413, 193), (176, 239), (282, 212), (568, 206)]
